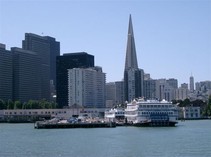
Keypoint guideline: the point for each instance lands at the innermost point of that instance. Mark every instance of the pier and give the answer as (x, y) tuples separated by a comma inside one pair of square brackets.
[(43, 125)]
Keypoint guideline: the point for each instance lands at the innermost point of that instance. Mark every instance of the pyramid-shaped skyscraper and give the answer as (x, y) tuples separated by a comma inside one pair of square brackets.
[(133, 76), (131, 59)]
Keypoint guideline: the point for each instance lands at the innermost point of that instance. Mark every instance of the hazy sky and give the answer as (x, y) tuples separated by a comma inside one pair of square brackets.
[(173, 37)]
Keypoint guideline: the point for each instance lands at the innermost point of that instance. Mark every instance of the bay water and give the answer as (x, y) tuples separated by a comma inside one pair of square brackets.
[(187, 139)]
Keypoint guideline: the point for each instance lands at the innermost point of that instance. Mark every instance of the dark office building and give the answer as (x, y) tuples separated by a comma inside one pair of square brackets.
[(54, 52), (6, 75), (47, 48), (69, 61), (26, 73)]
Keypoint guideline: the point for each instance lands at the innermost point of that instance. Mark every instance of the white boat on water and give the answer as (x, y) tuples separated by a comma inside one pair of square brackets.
[(115, 114), (151, 113)]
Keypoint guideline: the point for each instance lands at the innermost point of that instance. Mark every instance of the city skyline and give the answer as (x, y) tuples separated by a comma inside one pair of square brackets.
[(172, 38)]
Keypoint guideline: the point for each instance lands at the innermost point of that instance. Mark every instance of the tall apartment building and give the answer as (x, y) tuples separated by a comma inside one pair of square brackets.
[(86, 87), (119, 92), (65, 62), (198, 86), (6, 74), (47, 48), (182, 92), (114, 93), (203, 86), (165, 89), (133, 76), (110, 94), (173, 83), (191, 84), (26, 73), (184, 85), (150, 89)]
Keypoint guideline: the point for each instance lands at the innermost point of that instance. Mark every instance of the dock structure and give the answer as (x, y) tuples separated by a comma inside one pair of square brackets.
[(43, 125)]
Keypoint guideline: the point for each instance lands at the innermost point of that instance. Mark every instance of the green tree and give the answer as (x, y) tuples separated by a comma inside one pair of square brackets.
[(198, 103), (24, 105), (54, 105), (209, 107), (209, 101), (207, 110), (42, 104), (10, 104), (32, 104), (18, 105), (2, 105), (174, 101), (186, 102)]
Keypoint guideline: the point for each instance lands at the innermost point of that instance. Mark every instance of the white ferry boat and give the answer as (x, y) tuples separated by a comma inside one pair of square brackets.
[(151, 113), (115, 115)]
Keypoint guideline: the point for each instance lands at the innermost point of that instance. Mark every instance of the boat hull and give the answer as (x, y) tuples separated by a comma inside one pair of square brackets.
[(155, 124)]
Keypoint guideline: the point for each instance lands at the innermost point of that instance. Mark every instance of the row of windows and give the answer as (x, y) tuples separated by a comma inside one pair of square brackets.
[(120, 113), (191, 110), (158, 113), (156, 106), (24, 113), (192, 115), (149, 113), (88, 111)]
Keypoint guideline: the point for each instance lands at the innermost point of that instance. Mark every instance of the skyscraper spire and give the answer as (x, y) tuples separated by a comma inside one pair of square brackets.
[(131, 59), (133, 76)]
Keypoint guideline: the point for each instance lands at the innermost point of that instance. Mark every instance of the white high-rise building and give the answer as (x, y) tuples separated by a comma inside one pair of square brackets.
[(182, 92), (86, 87), (165, 89)]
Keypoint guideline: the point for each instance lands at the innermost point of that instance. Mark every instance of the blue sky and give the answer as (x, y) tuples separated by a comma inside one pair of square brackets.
[(173, 37)]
